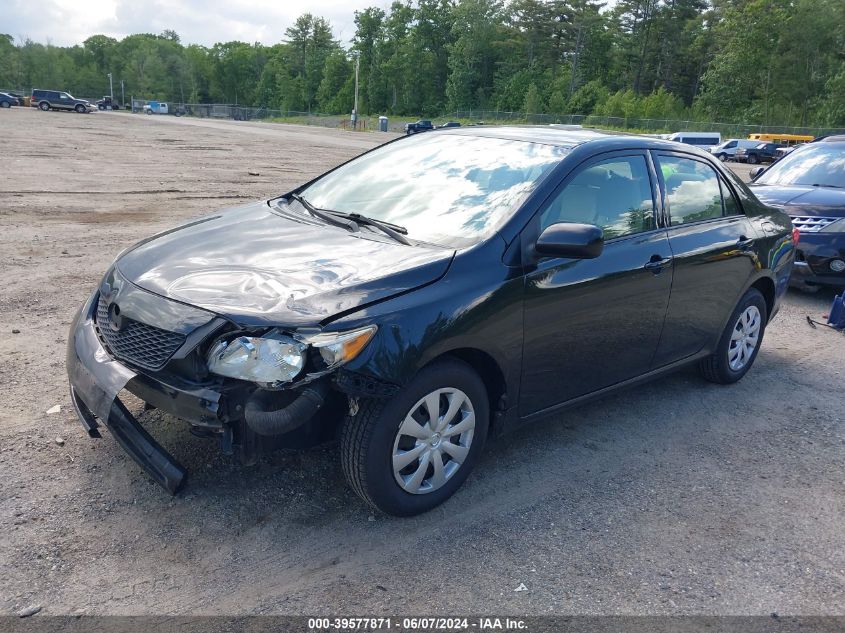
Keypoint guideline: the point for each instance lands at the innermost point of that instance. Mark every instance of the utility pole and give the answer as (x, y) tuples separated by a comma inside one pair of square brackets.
[(355, 107), (111, 89)]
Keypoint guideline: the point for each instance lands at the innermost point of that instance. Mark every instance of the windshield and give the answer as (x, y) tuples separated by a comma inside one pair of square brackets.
[(820, 164), (447, 189)]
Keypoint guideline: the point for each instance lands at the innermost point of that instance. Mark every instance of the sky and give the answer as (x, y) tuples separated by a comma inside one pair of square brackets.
[(67, 22)]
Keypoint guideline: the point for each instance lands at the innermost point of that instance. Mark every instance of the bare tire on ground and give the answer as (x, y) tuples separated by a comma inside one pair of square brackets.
[(740, 342), (407, 454)]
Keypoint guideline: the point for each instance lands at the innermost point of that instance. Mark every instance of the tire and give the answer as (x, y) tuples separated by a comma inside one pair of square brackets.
[(44, 106), (372, 437), (722, 157), (747, 325), (752, 159), (5, 104), (80, 108)]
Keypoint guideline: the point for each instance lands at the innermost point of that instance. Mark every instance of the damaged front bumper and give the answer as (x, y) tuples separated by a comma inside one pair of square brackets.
[(95, 381), (214, 408)]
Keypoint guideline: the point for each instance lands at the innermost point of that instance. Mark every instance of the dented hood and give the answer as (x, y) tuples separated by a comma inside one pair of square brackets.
[(803, 199), (257, 265)]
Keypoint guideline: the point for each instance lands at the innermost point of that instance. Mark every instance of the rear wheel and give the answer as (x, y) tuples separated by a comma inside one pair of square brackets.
[(752, 158), (740, 341), (406, 455), (5, 104), (44, 106)]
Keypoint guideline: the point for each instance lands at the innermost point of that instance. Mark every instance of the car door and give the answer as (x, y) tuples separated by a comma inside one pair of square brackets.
[(591, 323), (65, 102), (712, 249)]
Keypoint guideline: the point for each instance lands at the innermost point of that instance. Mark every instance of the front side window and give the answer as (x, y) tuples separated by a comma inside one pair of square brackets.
[(446, 189), (692, 190), (614, 194)]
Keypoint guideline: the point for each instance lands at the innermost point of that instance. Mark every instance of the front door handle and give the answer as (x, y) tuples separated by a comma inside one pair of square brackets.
[(744, 242), (657, 263)]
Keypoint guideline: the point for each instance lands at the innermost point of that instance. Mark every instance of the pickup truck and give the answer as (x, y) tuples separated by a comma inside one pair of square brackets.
[(762, 153), (419, 126)]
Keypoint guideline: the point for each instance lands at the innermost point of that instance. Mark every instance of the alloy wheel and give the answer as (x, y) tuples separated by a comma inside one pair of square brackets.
[(745, 338), (433, 440)]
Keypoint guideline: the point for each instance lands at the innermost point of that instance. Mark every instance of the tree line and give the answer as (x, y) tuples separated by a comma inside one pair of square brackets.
[(768, 62)]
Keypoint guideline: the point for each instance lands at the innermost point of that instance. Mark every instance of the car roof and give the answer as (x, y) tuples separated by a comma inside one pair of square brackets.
[(834, 138), (569, 136)]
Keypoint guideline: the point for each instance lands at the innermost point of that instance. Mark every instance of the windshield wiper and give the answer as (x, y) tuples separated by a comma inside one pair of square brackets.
[(393, 230), (331, 218), (353, 220), (816, 184)]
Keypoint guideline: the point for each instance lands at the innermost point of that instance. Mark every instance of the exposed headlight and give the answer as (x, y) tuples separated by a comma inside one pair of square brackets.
[(269, 361), (337, 348)]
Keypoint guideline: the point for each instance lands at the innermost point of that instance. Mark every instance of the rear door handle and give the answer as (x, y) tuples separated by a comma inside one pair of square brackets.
[(744, 242), (657, 263)]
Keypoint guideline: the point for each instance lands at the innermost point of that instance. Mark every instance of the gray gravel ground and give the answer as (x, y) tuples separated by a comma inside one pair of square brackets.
[(674, 497)]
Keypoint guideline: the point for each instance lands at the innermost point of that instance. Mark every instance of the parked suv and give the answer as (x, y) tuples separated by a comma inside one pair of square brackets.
[(809, 185), (760, 153), (423, 125), (57, 100), (546, 267)]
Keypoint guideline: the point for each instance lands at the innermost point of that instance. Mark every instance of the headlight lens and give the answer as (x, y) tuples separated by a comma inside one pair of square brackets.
[(337, 348), (269, 361)]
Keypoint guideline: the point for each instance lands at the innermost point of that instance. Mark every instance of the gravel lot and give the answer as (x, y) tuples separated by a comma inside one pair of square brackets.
[(676, 497)]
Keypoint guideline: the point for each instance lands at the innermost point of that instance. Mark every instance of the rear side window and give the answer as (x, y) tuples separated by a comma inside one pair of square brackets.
[(614, 194), (693, 193)]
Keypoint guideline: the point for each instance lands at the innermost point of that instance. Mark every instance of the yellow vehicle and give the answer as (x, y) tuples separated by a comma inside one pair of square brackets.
[(781, 139)]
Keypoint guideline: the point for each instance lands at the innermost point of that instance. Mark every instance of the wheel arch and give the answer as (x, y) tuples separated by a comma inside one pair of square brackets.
[(766, 286), (487, 368)]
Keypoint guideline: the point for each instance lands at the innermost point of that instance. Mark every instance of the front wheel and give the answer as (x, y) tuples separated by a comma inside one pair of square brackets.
[(722, 157), (406, 455), (740, 341), (80, 109)]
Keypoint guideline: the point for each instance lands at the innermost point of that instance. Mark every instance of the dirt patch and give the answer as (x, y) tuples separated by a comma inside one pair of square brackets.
[(675, 497)]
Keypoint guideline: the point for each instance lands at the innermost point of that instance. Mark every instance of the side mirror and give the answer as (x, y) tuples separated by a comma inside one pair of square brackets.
[(576, 241), (756, 172)]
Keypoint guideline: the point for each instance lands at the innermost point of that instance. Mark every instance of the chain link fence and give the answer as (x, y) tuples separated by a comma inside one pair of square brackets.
[(243, 113), (397, 124), (727, 130)]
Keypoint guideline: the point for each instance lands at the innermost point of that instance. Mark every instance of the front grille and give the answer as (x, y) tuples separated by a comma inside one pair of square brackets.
[(137, 343), (811, 223)]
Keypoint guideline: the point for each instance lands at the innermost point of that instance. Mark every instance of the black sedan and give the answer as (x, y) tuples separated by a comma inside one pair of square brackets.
[(7, 100), (809, 185), (430, 293)]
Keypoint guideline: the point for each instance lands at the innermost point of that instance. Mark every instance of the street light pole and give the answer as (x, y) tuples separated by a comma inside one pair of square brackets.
[(355, 107), (111, 88)]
